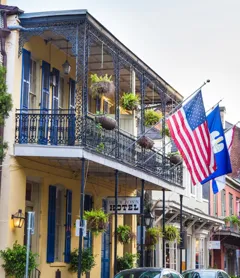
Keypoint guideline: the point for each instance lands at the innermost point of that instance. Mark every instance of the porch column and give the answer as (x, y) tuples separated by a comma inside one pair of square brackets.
[(142, 88), (116, 221), (116, 63), (163, 228), (181, 232), (81, 96), (142, 226), (133, 87), (81, 218)]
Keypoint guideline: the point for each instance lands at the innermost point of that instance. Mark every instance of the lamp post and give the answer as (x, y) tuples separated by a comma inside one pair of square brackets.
[(148, 222)]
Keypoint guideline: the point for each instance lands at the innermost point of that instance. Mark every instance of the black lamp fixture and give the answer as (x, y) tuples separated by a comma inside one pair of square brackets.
[(149, 219), (66, 66), (18, 219)]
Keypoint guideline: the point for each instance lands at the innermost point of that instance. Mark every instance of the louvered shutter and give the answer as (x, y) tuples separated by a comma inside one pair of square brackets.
[(68, 226), (51, 224)]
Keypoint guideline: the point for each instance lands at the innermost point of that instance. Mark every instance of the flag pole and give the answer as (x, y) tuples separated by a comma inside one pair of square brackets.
[(231, 127), (172, 111), (214, 106)]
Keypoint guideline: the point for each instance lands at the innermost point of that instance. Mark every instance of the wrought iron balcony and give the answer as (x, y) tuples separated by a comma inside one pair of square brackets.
[(59, 127)]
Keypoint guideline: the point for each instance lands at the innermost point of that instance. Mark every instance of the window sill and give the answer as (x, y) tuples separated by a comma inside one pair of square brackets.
[(58, 264)]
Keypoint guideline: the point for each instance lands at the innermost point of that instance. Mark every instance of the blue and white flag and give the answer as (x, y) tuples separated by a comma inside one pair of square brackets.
[(219, 145), (219, 183)]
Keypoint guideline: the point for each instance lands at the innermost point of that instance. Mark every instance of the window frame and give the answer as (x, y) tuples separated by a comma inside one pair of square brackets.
[(223, 202)]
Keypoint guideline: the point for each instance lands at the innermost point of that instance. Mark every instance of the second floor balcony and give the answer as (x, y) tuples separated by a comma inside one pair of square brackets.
[(64, 128)]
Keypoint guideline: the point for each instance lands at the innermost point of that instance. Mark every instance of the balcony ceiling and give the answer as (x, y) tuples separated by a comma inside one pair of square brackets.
[(94, 171), (100, 62)]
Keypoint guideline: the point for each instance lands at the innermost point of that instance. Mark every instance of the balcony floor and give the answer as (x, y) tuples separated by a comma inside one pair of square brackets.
[(69, 157)]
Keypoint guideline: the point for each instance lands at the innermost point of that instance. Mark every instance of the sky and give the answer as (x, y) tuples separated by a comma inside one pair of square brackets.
[(185, 41)]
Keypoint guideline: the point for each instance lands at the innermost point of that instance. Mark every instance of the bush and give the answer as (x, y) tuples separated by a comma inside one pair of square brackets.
[(88, 261), (15, 260), (127, 261)]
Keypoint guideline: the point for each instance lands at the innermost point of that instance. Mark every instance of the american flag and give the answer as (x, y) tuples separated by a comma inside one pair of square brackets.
[(189, 130)]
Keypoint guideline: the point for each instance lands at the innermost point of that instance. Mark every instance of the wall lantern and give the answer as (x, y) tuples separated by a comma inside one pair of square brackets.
[(148, 219), (66, 66), (18, 219)]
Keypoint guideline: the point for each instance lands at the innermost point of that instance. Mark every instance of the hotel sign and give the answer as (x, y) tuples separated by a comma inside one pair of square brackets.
[(126, 205)]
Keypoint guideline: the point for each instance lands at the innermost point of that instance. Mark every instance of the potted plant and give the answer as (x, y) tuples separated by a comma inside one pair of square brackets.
[(175, 157), (14, 260), (127, 261), (129, 101), (124, 234), (151, 117), (101, 85), (105, 121), (87, 262), (97, 220), (145, 142), (152, 237), (172, 233)]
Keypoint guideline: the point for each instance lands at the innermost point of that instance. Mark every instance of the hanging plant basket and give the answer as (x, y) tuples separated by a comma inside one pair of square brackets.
[(172, 233), (151, 117), (175, 158), (106, 122), (97, 221), (124, 234), (129, 101), (152, 237), (102, 85), (145, 142)]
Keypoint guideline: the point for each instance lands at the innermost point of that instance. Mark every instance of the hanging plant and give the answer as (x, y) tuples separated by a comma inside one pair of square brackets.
[(105, 121), (145, 142), (175, 157), (151, 117), (172, 233), (129, 101), (101, 85), (124, 234), (87, 262), (127, 261), (152, 237), (97, 221)]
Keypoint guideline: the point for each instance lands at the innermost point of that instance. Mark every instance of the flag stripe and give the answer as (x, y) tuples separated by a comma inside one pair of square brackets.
[(181, 147), (195, 153)]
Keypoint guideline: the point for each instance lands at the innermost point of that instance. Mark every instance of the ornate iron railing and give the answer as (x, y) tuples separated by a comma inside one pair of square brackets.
[(57, 127)]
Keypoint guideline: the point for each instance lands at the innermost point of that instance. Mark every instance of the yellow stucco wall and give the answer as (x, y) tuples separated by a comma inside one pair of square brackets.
[(23, 169)]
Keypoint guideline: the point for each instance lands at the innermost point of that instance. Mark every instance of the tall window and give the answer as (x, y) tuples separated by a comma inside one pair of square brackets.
[(230, 204), (33, 84), (200, 253), (193, 189), (223, 202), (59, 224), (171, 255), (215, 205), (61, 93), (238, 206)]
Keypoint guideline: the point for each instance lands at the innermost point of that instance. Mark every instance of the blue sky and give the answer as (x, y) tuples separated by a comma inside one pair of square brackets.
[(185, 41)]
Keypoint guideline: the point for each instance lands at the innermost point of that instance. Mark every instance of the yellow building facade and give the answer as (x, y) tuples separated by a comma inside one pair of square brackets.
[(51, 131)]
